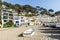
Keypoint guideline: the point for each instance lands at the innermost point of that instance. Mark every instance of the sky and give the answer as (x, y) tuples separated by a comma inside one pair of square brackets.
[(48, 4)]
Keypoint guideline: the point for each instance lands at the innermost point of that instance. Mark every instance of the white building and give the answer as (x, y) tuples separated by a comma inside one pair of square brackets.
[(7, 15), (20, 20), (49, 19)]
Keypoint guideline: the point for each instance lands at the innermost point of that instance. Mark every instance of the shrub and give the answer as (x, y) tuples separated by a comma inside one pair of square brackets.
[(8, 24)]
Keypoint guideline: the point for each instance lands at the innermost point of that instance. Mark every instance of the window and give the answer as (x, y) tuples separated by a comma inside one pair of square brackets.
[(10, 14), (5, 20), (17, 21), (5, 17)]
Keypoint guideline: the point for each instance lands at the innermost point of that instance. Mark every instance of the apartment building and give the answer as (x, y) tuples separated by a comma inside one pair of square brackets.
[(7, 15)]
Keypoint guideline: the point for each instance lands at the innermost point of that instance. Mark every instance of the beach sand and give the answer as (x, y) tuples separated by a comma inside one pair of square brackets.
[(12, 34)]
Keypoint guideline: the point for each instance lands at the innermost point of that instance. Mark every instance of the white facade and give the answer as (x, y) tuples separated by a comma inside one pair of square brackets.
[(22, 20), (7, 15), (49, 19)]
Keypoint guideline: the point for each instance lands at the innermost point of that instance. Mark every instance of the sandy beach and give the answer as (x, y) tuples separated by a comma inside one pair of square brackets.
[(12, 34)]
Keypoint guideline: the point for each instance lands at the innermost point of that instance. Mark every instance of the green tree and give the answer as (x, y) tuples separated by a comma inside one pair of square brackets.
[(28, 8), (8, 5), (50, 12), (18, 8), (57, 13)]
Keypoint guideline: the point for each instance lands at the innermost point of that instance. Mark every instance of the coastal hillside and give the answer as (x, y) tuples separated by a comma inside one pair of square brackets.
[(28, 8)]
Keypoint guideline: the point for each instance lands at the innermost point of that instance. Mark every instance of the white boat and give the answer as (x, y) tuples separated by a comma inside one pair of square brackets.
[(29, 32)]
